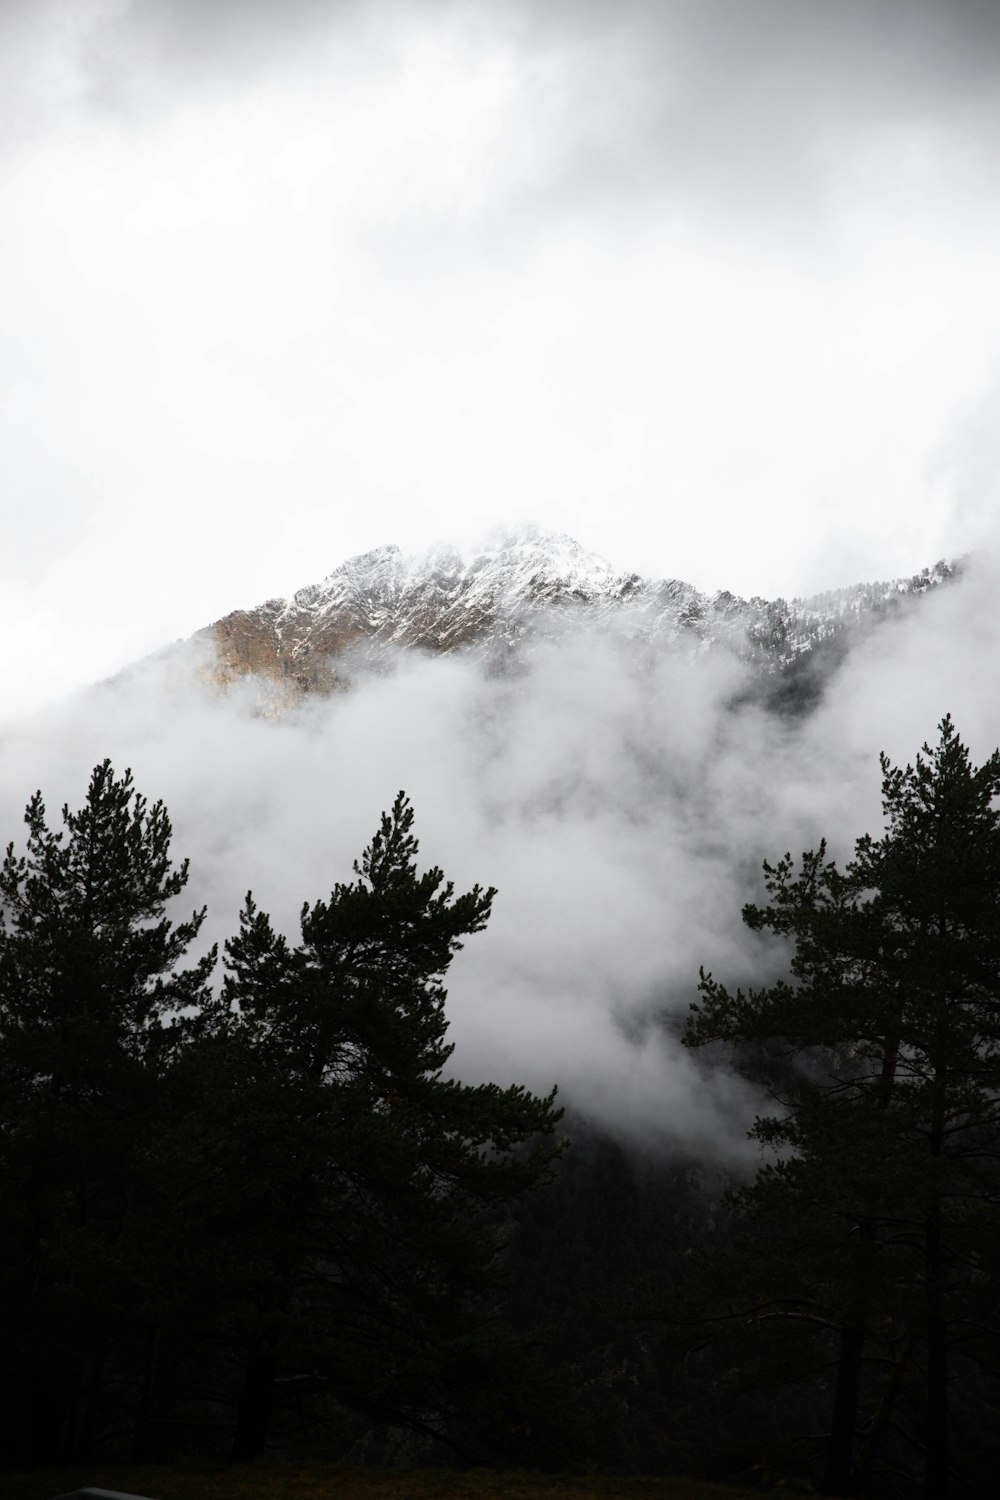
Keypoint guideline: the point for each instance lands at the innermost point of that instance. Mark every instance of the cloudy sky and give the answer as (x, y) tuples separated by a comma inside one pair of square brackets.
[(709, 284)]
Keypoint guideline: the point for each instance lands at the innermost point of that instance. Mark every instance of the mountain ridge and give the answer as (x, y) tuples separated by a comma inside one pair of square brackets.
[(517, 584)]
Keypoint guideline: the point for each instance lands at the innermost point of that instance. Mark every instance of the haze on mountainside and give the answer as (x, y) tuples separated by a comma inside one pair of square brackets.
[(708, 283), (621, 799)]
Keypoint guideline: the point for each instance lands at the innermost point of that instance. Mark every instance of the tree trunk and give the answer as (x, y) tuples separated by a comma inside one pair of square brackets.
[(254, 1409), (69, 1396), (144, 1413), (936, 1419), (883, 1416), (839, 1475), (936, 1415)]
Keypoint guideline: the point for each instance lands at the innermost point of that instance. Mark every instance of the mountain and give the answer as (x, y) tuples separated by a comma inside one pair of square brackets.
[(526, 582)]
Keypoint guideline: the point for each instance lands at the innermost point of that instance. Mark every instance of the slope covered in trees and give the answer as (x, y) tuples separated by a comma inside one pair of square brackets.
[(209, 1199), (260, 1215)]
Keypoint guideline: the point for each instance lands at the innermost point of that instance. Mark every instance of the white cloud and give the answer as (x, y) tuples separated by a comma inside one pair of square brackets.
[(617, 800), (708, 285)]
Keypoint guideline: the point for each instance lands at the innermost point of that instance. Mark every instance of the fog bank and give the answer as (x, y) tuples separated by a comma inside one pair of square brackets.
[(620, 803)]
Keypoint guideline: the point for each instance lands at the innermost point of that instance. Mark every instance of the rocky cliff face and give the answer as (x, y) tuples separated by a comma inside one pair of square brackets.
[(520, 584)]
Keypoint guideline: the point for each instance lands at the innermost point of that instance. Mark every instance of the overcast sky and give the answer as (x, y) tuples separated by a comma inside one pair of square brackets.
[(710, 285)]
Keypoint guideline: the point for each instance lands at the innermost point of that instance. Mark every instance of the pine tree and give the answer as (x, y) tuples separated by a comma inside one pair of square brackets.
[(884, 1057), (385, 1201), (91, 1001), (938, 874)]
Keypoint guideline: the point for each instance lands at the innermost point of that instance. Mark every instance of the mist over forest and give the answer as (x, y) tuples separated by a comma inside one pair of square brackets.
[(302, 1202), (595, 1135), (621, 801)]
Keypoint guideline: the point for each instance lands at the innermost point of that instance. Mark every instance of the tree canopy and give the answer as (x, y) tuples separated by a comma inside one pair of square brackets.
[(396, 1164), (882, 1052), (250, 1204), (269, 1184)]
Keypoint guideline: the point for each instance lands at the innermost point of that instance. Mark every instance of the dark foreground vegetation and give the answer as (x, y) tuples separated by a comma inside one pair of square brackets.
[(256, 1220), (289, 1481)]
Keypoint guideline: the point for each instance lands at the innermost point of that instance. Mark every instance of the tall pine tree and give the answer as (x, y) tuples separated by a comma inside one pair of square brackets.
[(888, 1032), (387, 1204), (91, 996)]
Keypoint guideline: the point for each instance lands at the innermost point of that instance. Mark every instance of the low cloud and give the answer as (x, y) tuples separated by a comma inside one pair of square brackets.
[(616, 798)]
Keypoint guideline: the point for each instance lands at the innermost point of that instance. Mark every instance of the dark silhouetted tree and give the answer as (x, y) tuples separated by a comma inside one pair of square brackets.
[(386, 1177), (883, 1054), (91, 1007)]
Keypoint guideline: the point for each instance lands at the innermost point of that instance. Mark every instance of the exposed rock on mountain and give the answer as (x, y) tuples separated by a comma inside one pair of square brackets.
[(522, 583)]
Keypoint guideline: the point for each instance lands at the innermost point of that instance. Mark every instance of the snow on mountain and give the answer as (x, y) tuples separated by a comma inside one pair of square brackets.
[(518, 583)]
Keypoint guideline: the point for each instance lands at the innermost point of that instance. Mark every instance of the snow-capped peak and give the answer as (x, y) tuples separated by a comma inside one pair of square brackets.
[(485, 598)]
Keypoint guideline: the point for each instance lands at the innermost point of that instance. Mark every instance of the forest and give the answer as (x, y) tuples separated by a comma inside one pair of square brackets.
[(248, 1208)]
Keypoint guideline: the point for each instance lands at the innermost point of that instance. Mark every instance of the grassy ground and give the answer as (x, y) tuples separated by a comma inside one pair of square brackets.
[(318, 1482)]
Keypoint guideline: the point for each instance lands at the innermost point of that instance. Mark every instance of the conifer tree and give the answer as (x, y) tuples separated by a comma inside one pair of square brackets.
[(384, 1235), (90, 1000), (889, 1092)]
